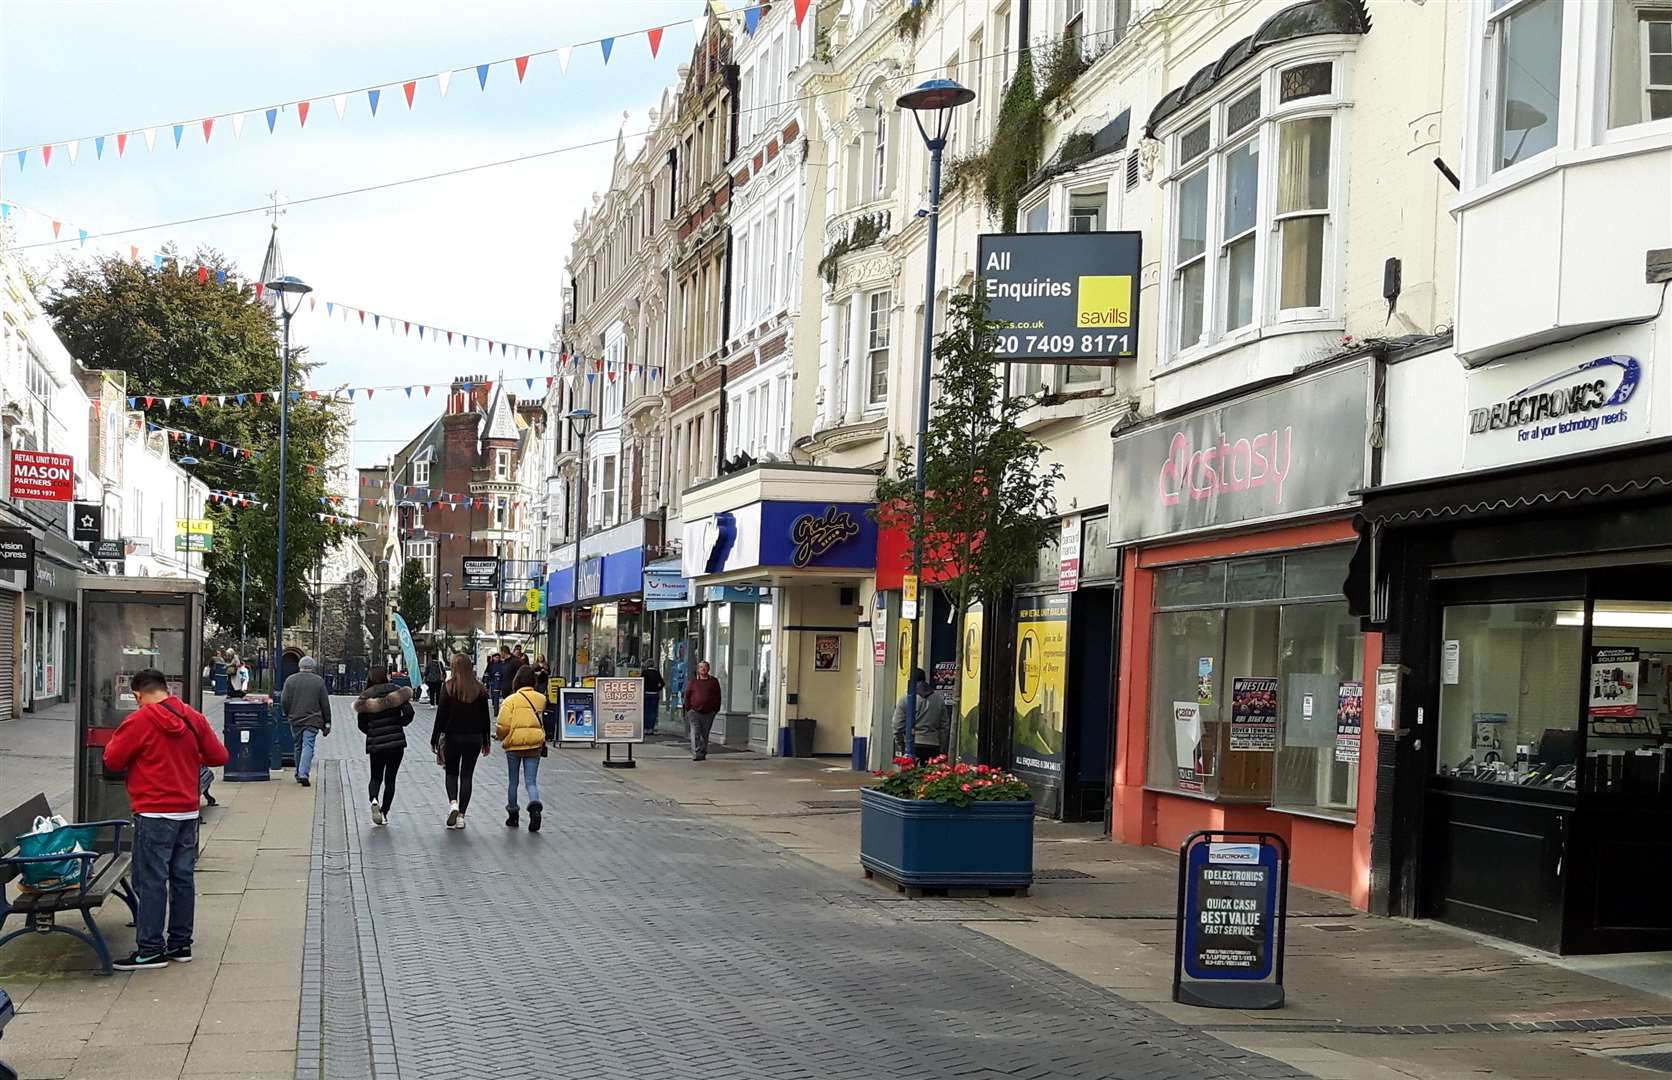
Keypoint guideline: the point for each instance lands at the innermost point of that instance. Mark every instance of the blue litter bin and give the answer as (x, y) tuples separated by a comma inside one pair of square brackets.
[(222, 683), (281, 742), (248, 734)]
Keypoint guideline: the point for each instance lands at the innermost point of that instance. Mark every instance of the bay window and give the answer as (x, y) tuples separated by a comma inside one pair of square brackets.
[(1254, 203), (1526, 37)]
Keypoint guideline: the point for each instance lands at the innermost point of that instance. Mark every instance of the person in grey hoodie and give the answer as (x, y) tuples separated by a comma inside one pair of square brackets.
[(307, 709), (930, 720)]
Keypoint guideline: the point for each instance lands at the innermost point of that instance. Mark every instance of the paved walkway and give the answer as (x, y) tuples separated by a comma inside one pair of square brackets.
[(36, 754)]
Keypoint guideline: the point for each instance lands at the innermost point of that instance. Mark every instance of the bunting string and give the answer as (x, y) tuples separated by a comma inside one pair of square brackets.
[(115, 144)]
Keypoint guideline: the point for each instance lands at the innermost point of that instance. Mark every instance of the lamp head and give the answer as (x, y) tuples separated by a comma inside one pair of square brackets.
[(579, 416), (291, 290), (934, 101)]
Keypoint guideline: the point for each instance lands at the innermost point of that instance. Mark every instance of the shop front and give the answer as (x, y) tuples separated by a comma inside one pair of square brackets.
[(596, 610), (49, 622), (1242, 674), (1527, 596), (676, 635), (780, 554)]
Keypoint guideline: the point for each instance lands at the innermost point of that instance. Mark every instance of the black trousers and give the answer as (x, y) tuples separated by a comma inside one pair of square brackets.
[(385, 764), (459, 758)]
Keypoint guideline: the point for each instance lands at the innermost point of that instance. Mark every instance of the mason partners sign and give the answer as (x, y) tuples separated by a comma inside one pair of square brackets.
[(1292, 449), (1062, 297)]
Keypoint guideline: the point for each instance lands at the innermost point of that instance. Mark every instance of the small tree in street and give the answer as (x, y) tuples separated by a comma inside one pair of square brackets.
[(988, 506), (412, 596)]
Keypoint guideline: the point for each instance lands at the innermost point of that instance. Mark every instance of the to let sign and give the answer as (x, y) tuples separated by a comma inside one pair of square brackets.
[(1062, 297), (40, 475)]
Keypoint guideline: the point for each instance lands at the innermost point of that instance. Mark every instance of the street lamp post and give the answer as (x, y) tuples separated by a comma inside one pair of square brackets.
[(583, 416), (936, 99), (290, 291)]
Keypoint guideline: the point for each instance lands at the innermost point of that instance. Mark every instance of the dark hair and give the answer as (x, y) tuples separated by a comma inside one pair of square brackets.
[(148, 679), (377, 676), (918, 675), (524, 679)]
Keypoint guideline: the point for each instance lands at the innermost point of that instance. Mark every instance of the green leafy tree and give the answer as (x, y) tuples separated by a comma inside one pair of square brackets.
[(412, 596), (175, 334), (989, 505)]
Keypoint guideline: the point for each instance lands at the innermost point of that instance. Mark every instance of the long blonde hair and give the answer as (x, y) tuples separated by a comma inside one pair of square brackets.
[(463, 685)]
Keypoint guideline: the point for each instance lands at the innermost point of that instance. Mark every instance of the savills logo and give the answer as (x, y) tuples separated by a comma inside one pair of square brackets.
[(1565, 398)]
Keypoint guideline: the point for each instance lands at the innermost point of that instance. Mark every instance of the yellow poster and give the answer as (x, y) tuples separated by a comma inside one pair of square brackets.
[(1041, 683), (969, 685), (903, 661)]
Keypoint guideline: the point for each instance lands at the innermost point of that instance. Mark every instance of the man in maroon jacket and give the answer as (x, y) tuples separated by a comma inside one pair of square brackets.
[(162, 745), (702, 701)]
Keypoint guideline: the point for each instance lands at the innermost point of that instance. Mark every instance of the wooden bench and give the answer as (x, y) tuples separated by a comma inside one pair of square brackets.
[(103, 872)]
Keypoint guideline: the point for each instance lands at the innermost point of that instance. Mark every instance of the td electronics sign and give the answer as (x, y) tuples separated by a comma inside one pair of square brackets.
[(1293, 449)]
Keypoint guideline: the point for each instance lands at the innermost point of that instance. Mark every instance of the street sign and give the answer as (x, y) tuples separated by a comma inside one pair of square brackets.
[(109, 550), (908, 597), (40, 475), (1233, 903), (1062, 298), (481, 573), (87, 522)]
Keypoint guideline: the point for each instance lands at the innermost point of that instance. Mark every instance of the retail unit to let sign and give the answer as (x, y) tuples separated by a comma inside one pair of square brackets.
[(1062, 297), (1233, 902), (40, 475), (1068, 554), (481, 573)]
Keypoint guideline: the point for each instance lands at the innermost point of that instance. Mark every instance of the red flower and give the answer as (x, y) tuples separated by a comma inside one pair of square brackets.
[(966, 787)]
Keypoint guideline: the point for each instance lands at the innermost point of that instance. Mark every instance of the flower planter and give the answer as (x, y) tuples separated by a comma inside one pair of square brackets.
[(932, 845)]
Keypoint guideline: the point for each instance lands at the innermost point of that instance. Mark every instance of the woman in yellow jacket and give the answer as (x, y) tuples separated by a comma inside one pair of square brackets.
[(523, 736)]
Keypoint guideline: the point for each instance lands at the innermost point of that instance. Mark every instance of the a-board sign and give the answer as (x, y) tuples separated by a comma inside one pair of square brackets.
[(620, 709), (1233, 892), (578, 721)]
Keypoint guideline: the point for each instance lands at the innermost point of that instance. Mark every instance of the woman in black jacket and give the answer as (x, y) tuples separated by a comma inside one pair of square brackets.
[(384, 710), (460, 734)]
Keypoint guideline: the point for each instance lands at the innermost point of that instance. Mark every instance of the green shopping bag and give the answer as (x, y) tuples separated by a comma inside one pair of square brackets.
[(55, 836)]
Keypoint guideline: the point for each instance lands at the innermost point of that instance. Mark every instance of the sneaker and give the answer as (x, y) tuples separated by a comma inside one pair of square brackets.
[(460, 825), (135, 962), (182, 955), (377, 815), (209, 800), (453, 816), (304, 781), (534, 809), (511, 818)]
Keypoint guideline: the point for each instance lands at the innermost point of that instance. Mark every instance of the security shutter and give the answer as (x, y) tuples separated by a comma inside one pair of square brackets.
[(9, 653)]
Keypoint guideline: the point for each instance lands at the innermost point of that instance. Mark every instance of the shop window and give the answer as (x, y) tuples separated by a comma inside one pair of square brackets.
[(1509, 692), (1526, 46), (1255, 683)]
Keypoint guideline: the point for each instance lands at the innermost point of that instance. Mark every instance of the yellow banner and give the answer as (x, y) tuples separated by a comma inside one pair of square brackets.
[(1041, 683), (969, 685), (189, 526), (903, 661)]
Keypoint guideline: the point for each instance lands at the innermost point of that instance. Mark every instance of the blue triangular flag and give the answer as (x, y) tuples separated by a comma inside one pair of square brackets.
[(482, 75), (590, 376), (158, 260), (375, 320), (328, 306), (502, 348), (607, 44), (220, 277), (5, 211), (133, 403), (98, 146), (751, 18), (530, 383), (409, 391), (351, 393), (185, 400), (272, 118), (21, 155), (83, 234), (295, 395), (466, 387), (420, 331), (240, 398), (178, 128), (372, 96)]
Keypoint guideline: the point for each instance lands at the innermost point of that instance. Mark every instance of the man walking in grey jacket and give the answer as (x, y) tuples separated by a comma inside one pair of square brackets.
[(930, 720), (307, 708)]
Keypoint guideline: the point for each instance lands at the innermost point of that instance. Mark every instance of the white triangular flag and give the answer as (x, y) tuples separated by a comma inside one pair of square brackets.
[(150, 138), (563, 58), (73, 147), (442, 80), (237, 125), (341, 102)]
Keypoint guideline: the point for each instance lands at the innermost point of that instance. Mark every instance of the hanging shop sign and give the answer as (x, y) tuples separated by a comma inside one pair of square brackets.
[(666, 588), (791, 535), (620, 710), (40, 475), (87, 522), (481, 573), (1062, 297), (1233, 901), (1041, 687), (1294, 449), (1563, 399), (109, 550), (17, 553), (578, 721)]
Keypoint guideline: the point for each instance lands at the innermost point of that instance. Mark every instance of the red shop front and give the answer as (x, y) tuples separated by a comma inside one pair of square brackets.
[(1242, 675)]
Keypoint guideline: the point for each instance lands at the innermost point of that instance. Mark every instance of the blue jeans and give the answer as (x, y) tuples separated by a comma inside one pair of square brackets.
[(652, 705), (165, 860), (304, 751), (528, 769)]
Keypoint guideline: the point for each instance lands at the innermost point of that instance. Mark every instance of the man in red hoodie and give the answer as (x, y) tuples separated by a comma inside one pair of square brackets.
[(162, 745)]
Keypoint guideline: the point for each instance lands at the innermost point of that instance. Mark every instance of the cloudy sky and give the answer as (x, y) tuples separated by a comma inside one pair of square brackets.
[(481, 252)]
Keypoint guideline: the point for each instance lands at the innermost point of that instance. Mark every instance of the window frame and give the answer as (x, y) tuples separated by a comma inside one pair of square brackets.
[(421, 472), (874, 352), (1268, 316)]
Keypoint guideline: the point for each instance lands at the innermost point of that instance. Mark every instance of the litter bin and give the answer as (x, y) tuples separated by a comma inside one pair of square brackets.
[(247, 732), (801, 737), (282, 743)]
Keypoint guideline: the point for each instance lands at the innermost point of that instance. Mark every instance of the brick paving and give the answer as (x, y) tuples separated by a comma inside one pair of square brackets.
[(624, 940)]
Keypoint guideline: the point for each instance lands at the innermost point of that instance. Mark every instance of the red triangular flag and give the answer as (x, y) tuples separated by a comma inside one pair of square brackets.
[(426, 389), (362, 314), (56, 225), (208, 126), (149, 402), (202, 275), (133, 253), (408, 328), (522, 66), (369, 390), (203, 399), (46, 154), (259, 289), (121, 142), (655, 37), (302, 112), (259, 395), (801, 10)]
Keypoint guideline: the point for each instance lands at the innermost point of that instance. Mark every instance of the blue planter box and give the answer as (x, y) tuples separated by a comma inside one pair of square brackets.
[(934, 845)]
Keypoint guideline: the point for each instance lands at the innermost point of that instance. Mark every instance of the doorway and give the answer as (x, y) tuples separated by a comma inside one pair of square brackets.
[(1091, 722)]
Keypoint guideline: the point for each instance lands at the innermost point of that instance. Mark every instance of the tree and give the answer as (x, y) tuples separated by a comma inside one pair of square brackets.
[(412, 597), (174, 334), (988, 506)]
